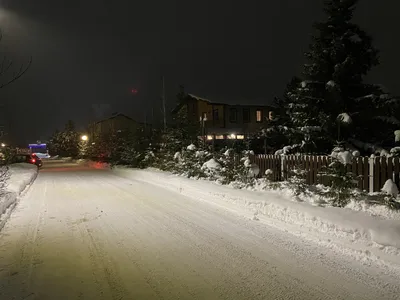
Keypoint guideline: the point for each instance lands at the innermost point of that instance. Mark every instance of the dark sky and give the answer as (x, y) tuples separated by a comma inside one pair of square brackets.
[(89, 52)]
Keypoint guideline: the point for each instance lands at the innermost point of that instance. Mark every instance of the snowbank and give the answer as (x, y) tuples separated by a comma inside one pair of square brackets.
[(366, 238), (21, 176)]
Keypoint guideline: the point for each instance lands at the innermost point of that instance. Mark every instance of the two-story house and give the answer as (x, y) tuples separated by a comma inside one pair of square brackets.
[(222, 120), (115, 124)]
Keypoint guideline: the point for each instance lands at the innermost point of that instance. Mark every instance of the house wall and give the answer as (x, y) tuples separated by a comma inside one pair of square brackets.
[(113, 125), (223, 124)]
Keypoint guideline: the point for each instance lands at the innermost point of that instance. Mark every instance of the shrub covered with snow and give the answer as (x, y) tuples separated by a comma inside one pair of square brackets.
[(191, 162), (232, 167), (212, 169), (390, 192), (395, 152), (296, 182), (342, 183)]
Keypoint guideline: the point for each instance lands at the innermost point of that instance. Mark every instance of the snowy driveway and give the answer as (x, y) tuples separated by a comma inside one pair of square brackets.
[(84, 233)]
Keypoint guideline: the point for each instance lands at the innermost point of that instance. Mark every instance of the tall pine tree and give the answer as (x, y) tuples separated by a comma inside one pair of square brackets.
[(66, 142), (339, 57), (279, 131)]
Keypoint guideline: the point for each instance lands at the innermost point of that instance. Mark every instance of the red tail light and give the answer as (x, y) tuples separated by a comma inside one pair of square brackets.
[(33, 160)]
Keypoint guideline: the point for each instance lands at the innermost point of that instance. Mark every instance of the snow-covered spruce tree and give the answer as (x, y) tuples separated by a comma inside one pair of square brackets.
[(339, 57), (65, 143), (343, 183), (54, 143), (181, 132), (235, 167), (297, 182), (190, 162), (106, 147), (134, 147), (279, 131)]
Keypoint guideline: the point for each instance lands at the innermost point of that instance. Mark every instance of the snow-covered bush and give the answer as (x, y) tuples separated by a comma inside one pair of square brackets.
[(390, 192), (191, 163), (4, 176), (395, 152), (342, 183), (296, 181), (212, 169), (236, 168), (229, 163)]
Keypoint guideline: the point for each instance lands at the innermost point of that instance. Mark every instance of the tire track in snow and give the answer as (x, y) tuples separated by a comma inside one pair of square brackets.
[(217, 246), (133, 253), (321, 261), (99, 255)]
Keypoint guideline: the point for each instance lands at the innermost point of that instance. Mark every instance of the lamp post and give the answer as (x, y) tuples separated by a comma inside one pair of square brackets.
[(203, 121), (83, 146)]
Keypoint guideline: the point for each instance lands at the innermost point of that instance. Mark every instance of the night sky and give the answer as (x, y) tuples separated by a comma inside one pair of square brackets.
[(89, 52)]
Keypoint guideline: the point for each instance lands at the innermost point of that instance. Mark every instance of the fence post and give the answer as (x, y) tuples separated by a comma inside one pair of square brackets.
[(283, 167), (371, 162)]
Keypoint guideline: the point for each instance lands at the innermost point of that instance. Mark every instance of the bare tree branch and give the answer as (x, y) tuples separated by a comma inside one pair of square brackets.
[(18, 74), (5, 66)]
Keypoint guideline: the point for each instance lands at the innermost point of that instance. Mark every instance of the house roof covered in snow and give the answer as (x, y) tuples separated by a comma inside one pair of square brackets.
[(260, 102), (235, 101), (116, 115)]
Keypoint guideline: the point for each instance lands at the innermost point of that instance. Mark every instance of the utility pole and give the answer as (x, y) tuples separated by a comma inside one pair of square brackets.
[(163, 103)]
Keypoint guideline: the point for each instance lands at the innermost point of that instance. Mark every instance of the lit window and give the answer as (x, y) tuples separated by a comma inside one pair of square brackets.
[(271, 115), (259, 115), (210, 137), (219, 137), (240, 137), (232, 136)]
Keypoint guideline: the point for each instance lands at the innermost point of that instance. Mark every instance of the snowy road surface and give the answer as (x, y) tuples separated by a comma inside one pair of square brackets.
[(84, 233)]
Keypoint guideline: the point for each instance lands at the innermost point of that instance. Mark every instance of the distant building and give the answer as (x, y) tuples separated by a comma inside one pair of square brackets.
[(117, 123), (226, 119)]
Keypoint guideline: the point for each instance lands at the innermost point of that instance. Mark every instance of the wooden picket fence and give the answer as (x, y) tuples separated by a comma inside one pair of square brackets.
[(371, 173)]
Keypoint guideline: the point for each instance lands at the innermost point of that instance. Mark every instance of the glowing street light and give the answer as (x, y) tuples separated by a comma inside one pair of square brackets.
[(84, 137), (3, 145)]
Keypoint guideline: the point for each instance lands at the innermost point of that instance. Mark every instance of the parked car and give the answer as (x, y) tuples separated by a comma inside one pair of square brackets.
[(28, 158)]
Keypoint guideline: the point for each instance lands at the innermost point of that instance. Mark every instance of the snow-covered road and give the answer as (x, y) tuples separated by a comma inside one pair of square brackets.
[(84, 233)]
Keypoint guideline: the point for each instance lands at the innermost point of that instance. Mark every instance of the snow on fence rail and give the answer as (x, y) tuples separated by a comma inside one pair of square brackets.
[(372, 173)]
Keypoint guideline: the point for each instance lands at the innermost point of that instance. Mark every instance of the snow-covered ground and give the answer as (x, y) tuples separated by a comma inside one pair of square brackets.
[(83, 232), (20, 177), (369, 239)]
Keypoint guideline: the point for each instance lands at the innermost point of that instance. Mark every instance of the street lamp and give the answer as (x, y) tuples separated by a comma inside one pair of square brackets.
[(3, 145), (203, 120), (84, 137)]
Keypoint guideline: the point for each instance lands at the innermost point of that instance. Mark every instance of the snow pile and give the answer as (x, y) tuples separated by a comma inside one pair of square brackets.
[(20, 176), (344, 118), (355, 38), (191, 147), (364, 237), (395, 151), (43, 155), (254, 170), (397, 136), (390, 188), (211, 164), (330, 84), (287, 150), (268, 172), (345, 157)]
